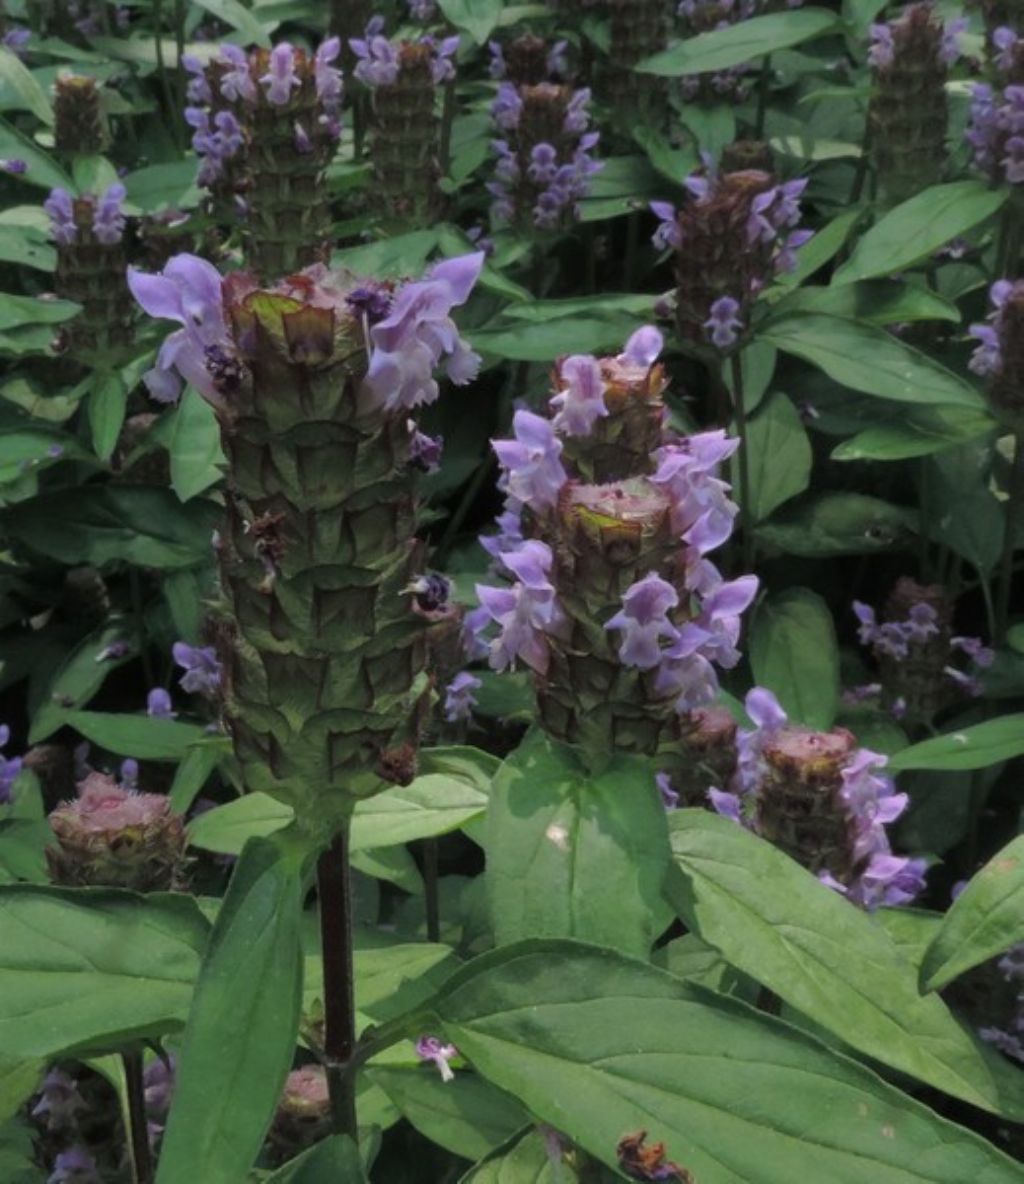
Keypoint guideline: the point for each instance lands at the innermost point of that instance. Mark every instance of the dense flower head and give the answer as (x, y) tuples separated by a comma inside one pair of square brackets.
[(544, 165), (10, 767), (995, 131), (839, 830), (101, 217), (381, 61)]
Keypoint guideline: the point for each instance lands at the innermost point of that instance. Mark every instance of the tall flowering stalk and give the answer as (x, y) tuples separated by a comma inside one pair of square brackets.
[(613, 603), (315, 380), (543, 148), (908, 113), (266, 125), (404, 78), (999, 357), (88, 232), (822, 800), (637, 29)]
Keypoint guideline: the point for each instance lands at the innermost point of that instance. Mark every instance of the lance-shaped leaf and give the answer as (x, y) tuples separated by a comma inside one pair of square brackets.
[(89, 969), (601, 1046), (773, 920), (240, 1038), (985, 919), (976, 747), (572, 853)]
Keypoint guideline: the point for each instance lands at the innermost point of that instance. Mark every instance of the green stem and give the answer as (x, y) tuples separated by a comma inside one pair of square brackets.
[(165, 78), (860, 172), (430, 893), (334, 890), (1015, 495), (743, 459), (763, 88), (138, 1133)]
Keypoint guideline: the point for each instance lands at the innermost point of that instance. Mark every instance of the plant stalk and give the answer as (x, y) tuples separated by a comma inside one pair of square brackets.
[(743, 459), (430, 896), (763, 89), (334, 889), (138, 1134), (1015, 494)]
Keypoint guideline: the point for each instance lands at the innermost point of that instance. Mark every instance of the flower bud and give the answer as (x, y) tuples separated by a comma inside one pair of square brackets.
[(77, 117), (705, 756), (303, 1115), (110, 836), (908, 112)]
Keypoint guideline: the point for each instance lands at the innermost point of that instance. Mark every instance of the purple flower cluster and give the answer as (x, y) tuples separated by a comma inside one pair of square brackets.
[(996, 131), (868, 799), (580, 401), (380, 60), (410, 342), (542, 180), (215, 140), (10, 766), (187, 291), (987, 357), (107, 222), (882, 51)]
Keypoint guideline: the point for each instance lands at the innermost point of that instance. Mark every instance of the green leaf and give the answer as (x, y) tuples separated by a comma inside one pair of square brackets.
[(43, 170), (599, 1045), (232, 13), (141, 525), (16, 311), (793, 651), (475, 17), (926, 433), (780, 456), (917, 228), (830, 524), (877, 302), (773, 920), (825, 245), (538, 312), (197, 461), (240, 1037), (721, 49), (106, 403), (91, 968), (23, 844), (18, 1157), (193, 772), (391, 980), (18, 1081), (572, 853), (335, 1159), (597, 333), (226, 829), (143, 737), (18, 78), (959, 507), (984, 920), (525, 1159), (25, 245), (404, 254), (432, 805), (976, 747), (467, 1116), (866, 358), (78, 677)]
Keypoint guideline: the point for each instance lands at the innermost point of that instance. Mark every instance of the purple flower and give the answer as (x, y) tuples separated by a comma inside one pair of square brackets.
[(16, 39), (459, 699), (975, 649), (882, 50), (158, 1080), (74, 1166), (889, 880), (197, 89), (497, 67), (580, 402), (422, 10), (417, 332), (280, 79), (60, 208), (14, 167), (378, 60), (201, 665), (507, 107), (644, 622), (442, 68), (158, 704), (128, 773), (968, 683), (188, 291), (525, 613), (533, 469), (1006, 41), (729, 805), (108, 217), (429, 1048), (702, 512), (10, 767), (951, 36), (424, 451), (669, 795), (510, 531), (236, 83), (643, 348), (724, 323), (59, 1101), (329, 83)]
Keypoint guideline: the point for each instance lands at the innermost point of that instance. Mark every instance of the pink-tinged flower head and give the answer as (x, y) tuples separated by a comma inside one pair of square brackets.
[(580, 402), (418, 332), (280, 79), (188, 291), (644, 621), (533, 469), (430, 1048)]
